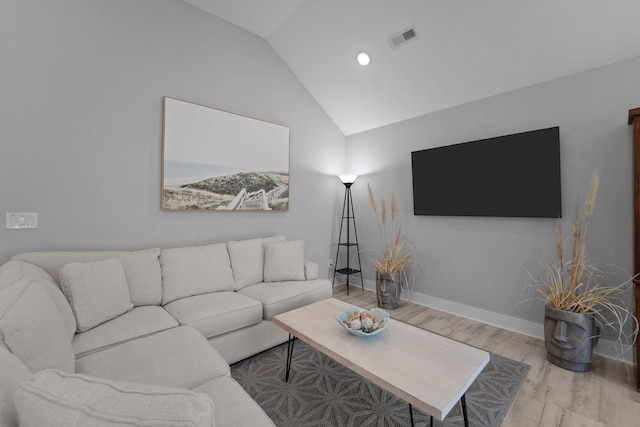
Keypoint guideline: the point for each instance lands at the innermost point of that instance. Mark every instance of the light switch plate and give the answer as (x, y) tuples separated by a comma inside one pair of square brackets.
[(21, 220)]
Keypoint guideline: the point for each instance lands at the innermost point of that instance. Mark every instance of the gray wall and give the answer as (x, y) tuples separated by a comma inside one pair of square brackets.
[(480, 262), (81, 125), (80, 114)]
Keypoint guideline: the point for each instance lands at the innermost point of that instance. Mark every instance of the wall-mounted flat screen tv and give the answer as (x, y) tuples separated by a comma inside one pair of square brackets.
[(507, 176)]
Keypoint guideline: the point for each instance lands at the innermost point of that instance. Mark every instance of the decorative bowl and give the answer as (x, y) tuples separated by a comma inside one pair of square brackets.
[(353, 320)]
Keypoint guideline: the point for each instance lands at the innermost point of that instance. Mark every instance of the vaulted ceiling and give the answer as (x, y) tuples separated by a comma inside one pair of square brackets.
[(464, 50)]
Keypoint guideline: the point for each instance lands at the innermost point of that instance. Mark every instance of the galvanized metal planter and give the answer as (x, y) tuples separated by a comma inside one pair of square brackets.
[(388, 289), (569, 338)]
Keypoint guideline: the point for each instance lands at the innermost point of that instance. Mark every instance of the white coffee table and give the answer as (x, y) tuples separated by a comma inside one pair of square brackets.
[(427, 370)]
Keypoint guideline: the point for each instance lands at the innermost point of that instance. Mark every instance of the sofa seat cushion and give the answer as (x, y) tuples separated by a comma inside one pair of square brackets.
[(216, 313), (139, 322), (53, 398), (233, 405), (280, 297), (32, 329), (141, 267), (178, 357)]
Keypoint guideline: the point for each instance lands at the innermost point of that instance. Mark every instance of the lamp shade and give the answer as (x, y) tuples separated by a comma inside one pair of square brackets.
[(348, 178)]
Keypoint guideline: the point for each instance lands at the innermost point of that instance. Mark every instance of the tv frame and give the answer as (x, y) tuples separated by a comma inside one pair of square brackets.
[(517, 147)]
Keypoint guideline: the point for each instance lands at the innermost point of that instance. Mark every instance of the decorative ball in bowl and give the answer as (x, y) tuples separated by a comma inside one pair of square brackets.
[(364, 323)]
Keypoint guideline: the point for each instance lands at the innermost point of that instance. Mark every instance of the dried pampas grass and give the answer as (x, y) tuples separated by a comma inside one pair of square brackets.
[(578, 286), (396, 254)]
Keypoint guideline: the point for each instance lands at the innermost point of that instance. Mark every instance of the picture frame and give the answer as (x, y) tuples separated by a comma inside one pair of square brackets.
[(216, 160)]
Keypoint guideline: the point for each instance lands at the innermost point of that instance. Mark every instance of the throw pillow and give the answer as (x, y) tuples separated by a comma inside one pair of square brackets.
[(144, 277), (12, 373), (284, 261), (142, 269), (57, 399), (32, 329), (247, 261), (97, 291)]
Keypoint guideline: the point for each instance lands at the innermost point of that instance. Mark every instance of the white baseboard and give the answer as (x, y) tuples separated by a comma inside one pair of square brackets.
[(604, 348)]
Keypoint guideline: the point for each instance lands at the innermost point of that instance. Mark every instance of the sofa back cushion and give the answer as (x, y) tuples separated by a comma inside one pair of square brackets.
[(195, 270), (97, 291), (12, 373), (13, 271), (32, 329), (57, 399), (10, 273), (142, 269)]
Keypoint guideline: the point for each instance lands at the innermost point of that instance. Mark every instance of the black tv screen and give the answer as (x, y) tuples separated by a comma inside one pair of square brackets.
[(508, 176)]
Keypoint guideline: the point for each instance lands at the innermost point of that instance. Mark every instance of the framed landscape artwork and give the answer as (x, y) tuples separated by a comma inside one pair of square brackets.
[(216, 160)]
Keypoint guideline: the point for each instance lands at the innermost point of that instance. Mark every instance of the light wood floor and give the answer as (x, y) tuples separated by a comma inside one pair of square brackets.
[(549, 396)]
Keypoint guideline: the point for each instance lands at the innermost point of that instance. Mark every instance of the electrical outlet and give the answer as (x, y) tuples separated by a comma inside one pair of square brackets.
[(21, 220), (330, 262)]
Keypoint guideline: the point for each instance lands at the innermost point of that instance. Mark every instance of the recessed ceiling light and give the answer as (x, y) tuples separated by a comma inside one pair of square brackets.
[(363, 59)]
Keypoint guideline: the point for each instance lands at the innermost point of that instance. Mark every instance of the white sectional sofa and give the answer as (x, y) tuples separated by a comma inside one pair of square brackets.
[(144, 337)]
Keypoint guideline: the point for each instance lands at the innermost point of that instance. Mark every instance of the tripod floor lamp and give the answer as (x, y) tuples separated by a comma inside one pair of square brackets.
[(350, 245)]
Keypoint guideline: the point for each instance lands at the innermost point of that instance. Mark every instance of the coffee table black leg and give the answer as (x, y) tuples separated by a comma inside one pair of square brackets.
[(411, 413), (411, 416), (463, 400), (289, 355)]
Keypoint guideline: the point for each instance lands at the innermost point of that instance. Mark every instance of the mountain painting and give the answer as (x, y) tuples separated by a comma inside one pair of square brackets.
[(216, 160)]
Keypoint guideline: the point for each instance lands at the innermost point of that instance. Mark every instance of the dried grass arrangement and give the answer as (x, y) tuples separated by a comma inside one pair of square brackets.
[(396, 254), (580, 287)]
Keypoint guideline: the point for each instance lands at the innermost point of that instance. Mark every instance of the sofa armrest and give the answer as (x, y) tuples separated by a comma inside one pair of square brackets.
[(310, 270)]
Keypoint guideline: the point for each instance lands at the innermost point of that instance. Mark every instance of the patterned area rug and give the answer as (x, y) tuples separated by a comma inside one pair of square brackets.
[(322, 392)]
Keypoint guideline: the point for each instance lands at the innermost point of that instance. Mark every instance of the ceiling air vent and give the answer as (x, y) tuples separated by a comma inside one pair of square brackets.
[(403, 37)]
